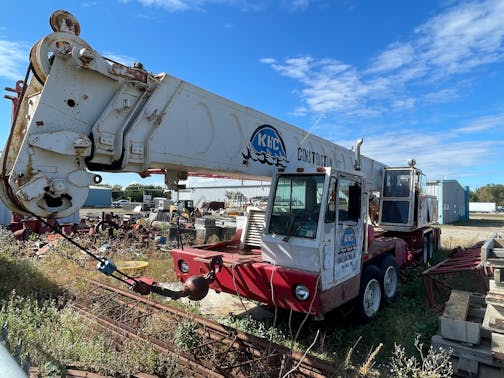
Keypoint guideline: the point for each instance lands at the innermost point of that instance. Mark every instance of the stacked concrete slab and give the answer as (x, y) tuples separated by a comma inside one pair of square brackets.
[(472, 325)]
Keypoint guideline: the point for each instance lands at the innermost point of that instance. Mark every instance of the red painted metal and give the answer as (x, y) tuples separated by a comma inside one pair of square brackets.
[(459, 261), (15, 99), (249, 277), (156, 171), (414, 240), (393, 245), (245, 274)]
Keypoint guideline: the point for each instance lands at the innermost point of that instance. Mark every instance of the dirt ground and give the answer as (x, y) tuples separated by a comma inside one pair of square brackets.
[(478, 228)]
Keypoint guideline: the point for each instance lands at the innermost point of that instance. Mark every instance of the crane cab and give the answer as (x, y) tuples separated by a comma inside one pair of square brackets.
[(404, 205), (315, 223)]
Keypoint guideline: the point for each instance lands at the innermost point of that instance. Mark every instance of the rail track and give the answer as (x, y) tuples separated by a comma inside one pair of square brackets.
[(211, 350)]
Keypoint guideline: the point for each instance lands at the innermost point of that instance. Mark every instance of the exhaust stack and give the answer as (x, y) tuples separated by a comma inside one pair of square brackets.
[(357, 164)]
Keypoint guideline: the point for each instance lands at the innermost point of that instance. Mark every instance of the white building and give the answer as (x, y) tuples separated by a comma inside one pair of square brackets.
[(232, 192), (482, 207)]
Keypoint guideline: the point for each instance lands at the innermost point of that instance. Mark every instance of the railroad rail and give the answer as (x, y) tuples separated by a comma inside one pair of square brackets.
[(221, 351)]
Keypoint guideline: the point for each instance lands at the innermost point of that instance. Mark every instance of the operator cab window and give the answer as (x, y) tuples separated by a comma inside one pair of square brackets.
[(330, 214), (349, 201), (397, 191), (397, 183), (296, 206)]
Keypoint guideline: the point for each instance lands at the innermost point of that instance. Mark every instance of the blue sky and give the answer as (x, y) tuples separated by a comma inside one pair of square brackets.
[(422, 79)]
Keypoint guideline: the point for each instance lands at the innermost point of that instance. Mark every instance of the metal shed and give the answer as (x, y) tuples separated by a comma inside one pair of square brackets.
[(233, 192), (99, 196), (453, 200), (6, 216)]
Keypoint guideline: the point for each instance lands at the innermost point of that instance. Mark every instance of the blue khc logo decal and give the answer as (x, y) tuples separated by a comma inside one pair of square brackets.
[(267, 147), (348, 241)]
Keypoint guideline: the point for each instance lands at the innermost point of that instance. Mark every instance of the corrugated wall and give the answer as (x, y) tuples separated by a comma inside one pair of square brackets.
[(452, 200), (99, 196)]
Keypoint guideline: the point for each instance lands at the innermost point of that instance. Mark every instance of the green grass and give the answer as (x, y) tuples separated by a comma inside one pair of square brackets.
[(51, 335), (38, 325), (398, 323), (347, 343)]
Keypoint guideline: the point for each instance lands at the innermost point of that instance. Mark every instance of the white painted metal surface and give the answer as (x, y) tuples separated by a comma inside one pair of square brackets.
[(130, 121), (9, 368), (482, 207)]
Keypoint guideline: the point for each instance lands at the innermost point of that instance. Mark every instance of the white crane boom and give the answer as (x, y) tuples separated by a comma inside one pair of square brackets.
[(81, 112)]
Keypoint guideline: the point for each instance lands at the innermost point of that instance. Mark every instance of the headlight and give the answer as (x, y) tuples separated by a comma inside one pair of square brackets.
[(301, 292), (183, 266)]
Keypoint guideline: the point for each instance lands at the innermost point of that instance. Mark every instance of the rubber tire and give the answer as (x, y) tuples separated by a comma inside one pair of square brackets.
[(389, 275), (425, 249), (102, 227), (370, 288), (437, 242), (430, 241)]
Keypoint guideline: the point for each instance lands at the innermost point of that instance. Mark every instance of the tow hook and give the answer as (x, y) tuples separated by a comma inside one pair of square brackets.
[(195, 287)]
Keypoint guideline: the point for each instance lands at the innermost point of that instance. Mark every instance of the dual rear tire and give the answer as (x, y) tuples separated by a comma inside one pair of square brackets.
[(427, 248), (379, 285)]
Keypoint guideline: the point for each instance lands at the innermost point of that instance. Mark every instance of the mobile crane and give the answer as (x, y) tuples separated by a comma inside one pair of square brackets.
[(313, 249)]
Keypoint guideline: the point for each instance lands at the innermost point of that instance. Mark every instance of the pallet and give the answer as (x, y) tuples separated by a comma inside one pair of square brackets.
[(477, 351)]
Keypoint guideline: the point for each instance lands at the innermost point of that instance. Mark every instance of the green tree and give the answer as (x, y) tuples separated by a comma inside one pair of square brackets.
[(117, 192), (135, 192), (473, 197), (491, 193)]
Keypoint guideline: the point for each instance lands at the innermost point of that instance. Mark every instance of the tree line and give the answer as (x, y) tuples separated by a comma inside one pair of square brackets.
[(488, 193), (135, 192)]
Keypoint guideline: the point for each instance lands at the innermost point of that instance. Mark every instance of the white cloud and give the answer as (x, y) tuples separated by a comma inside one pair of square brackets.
[(395, 57), (268, 60), (243, 5), (403, 104), (295, 68), (441, 96), (300, 111), (463, 37), (295, 5), (199, 5), (458, 40), (171, 5), (438, 154), (484, 124), (123, 59), (13, 59)]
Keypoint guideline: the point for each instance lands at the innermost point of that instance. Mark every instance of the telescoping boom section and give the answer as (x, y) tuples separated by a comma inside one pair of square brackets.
[(311, 250)]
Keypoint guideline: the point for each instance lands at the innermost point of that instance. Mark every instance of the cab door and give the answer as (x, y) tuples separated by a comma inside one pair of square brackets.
[(349, 228), (328, 239)]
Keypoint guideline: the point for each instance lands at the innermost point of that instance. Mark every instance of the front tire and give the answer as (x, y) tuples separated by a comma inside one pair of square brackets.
[(370, 293), (389, 278)]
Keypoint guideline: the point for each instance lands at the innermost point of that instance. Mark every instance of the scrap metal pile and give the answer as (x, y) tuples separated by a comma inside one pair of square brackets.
[(139, 229)]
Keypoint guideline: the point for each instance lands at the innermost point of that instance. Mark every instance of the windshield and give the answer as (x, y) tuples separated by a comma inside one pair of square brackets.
[(296, 205), (397, 183)]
